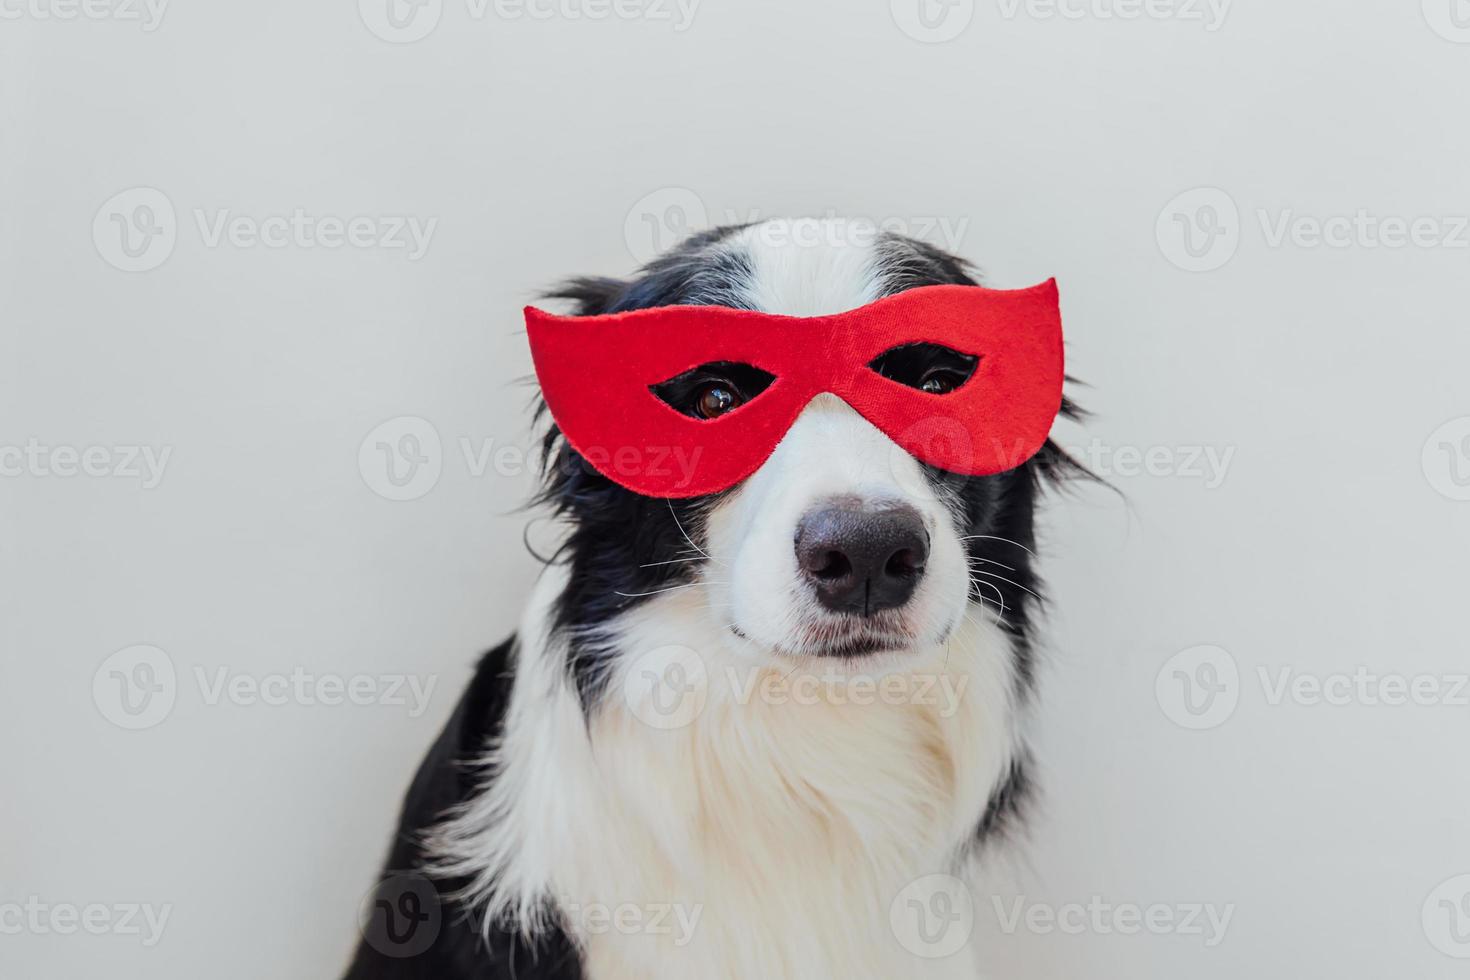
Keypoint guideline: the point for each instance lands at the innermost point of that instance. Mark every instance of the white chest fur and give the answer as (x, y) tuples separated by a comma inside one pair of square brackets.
[(762, 828)]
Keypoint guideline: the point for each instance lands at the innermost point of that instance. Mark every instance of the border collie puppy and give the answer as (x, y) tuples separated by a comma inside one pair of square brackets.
[(703, 754)]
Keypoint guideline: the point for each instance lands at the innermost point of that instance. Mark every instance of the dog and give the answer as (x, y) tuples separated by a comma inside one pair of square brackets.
[(854, 633)]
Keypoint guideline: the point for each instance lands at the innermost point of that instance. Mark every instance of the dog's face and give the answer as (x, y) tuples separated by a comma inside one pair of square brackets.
[(841, 545)]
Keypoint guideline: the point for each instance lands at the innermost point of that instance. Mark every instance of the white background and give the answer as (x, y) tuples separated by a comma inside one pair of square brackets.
[(1052, 145)]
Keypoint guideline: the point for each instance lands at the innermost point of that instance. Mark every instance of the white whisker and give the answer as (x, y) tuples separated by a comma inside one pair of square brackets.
[(686, 534), (993, 537), (672, 588), (1002, 578), (676, 561)]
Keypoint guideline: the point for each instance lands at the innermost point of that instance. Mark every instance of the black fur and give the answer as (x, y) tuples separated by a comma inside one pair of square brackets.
[(390, 949)]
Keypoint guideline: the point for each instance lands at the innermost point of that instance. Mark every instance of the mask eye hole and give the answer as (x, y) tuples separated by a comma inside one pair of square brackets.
[(712, 390), (930, 368)]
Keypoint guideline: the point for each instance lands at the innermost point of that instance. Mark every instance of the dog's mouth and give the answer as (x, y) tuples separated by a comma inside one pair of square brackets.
[(857, 646), (843, 640)]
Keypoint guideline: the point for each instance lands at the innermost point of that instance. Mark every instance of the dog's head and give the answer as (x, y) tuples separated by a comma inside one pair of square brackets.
[(841, 545)]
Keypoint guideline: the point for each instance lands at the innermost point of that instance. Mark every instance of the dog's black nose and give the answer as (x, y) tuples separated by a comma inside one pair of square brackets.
[(862, 559)]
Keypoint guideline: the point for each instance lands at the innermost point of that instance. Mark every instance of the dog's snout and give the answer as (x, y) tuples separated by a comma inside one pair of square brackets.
[(862, 558)]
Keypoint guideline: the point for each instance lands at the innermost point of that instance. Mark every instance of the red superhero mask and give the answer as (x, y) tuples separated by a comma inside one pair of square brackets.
[(606, 380)]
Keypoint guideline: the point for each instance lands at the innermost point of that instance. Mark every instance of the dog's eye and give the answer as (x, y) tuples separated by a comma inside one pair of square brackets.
[(712, 390), (941, 381), (715, 399), (928, 367)]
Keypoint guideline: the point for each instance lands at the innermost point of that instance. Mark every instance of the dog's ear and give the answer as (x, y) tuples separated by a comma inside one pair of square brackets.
[(590, 295)]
